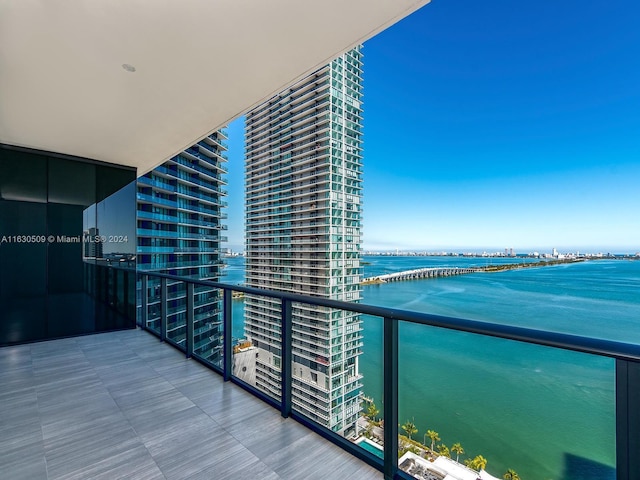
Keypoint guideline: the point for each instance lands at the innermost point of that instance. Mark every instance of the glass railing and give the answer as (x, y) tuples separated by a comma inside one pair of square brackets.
[(165, 265), (481, 403), (214, 138), (181, 220), (145, 232), (205, 249), (153, 249), (219, 156), (213, 149), (418, 395), (157, 216), (158, 182), (195, 166), (206, 196), (201, 208), (157, 200)]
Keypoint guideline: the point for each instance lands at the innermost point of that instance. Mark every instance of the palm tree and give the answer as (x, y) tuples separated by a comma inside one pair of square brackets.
[(481, 462), (433, 435), (477, 463), (372, 411), (457, 449), (511, 475), (444, 450), (410, 428)]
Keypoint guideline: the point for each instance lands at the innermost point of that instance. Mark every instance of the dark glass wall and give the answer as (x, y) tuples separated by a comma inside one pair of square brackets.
[(50, 265)]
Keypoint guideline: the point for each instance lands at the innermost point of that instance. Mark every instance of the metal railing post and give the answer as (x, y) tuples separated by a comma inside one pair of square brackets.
[(163, 309), (627, 420), (227, 361), (390, 397), (144, 300), (190, 318), (285, 358)]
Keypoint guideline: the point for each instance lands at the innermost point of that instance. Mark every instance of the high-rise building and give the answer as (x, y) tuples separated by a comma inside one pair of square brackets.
[(179, 224), (92, 249), (303, 235)]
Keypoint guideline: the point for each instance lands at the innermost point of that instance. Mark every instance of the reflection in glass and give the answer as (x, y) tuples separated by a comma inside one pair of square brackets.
[(114, 238), (46, 205)]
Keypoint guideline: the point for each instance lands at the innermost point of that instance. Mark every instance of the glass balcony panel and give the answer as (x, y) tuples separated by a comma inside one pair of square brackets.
[(257, 349), (244, 356), (469, 403), (177, 314), (327, 384), (370, 427), (311, 363), (242, 362), (208, 331), (153, 305)]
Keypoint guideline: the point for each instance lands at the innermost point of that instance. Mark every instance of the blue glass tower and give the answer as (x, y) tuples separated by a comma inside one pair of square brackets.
[(179, 225)]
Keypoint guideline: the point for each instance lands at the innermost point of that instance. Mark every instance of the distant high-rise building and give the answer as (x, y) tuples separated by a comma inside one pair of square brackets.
[(303, 235), (179, 224), (92, 244)]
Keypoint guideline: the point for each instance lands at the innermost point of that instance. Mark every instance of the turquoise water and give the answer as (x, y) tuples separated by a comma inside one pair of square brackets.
[(547, 413), (234, 275), (596, 298)]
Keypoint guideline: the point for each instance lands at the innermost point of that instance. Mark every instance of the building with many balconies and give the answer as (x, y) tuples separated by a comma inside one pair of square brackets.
[(179, 225), (303, 235)]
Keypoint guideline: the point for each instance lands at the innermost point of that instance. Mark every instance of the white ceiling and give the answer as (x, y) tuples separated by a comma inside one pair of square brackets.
[(198, 65)]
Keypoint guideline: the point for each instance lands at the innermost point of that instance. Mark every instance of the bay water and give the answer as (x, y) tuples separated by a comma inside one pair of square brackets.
[(549, 414)]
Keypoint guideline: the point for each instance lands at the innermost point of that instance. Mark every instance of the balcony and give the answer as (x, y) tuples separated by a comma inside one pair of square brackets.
[(121, 402), (619, 358)]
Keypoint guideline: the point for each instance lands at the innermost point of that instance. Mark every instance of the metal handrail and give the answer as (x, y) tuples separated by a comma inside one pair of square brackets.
[(578, 343)]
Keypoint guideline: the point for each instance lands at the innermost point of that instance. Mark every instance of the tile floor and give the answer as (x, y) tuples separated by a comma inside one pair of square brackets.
[(123, 405)]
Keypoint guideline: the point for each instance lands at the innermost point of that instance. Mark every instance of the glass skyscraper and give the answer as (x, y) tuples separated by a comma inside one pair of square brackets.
[(179, 225), (303, 235)]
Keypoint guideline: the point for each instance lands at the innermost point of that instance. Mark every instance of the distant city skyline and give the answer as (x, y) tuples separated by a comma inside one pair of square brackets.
[(491, 126)]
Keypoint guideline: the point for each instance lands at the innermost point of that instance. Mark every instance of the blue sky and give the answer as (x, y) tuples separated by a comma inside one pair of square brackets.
[(497, 124)]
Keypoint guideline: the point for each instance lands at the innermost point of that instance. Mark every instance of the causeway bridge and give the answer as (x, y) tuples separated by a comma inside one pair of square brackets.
[(433, 272)]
